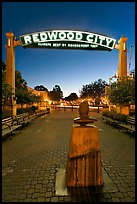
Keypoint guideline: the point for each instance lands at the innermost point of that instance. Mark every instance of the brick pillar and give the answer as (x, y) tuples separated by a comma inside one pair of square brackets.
[(122, 57), (10, 105), (122, 69)]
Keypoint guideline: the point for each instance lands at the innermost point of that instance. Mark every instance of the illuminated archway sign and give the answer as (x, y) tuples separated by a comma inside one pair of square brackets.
[(60, 39), (67, 39)]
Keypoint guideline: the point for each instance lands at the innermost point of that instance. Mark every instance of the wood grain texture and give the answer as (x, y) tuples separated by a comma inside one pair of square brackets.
[(84, 158)]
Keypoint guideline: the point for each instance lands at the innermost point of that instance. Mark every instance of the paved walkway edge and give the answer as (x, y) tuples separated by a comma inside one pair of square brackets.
[(60, 187)]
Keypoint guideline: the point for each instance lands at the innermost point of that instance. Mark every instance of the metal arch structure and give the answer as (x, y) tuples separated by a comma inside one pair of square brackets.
[(60, 39)]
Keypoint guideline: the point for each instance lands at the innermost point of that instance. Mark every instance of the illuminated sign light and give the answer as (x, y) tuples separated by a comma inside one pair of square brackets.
[(67, 39)]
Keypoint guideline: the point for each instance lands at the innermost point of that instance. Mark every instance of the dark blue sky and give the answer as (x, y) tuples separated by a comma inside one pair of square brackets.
[(70, 69)]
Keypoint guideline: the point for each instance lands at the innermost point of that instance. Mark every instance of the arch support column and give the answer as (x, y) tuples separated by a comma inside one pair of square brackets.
[(10, 105), (122, 57)]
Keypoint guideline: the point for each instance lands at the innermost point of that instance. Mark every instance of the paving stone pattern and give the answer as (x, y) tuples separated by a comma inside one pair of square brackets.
[(31, 159)]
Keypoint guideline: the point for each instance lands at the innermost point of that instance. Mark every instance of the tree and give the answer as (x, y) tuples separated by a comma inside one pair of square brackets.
[(71, 97), (6, 88), (21, 90), (56, 94), (41, 88), (58, 89), (84, 92), (94, 90), (122, 92)]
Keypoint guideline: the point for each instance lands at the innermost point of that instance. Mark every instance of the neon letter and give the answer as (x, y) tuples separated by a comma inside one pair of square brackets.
[(90, 37), (62, 35), (78, 36), (27, 39), (52, 35), (35, 37), (70, 36), (43, 36), (101, 38)]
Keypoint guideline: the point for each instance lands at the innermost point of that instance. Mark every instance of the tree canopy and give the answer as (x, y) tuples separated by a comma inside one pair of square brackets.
[(41, 88), (22, 93), (122, 92), (71, 97), (94, 90), (21, 90), (56, 94), (6, 88)]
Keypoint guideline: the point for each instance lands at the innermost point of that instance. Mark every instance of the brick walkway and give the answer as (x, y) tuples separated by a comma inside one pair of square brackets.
[(30, 161)]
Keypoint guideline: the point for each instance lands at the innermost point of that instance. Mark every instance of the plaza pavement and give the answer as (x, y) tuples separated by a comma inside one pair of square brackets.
[(30, 161)]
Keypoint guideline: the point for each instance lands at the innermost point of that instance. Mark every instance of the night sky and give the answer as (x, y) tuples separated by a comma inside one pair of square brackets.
[(70, 69)]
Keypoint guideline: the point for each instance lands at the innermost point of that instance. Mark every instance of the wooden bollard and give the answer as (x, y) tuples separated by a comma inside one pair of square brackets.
[(83, 167)]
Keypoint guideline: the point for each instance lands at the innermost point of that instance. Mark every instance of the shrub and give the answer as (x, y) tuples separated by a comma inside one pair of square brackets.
[(33, 108), (124, 118), (4, 114), (21, 110), (116, 116)]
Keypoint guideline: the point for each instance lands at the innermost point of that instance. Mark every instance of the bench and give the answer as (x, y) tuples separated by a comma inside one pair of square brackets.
[(24, 118), (111, 121), (129, 125), (42, 112), (9, 125), (39, 113)]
